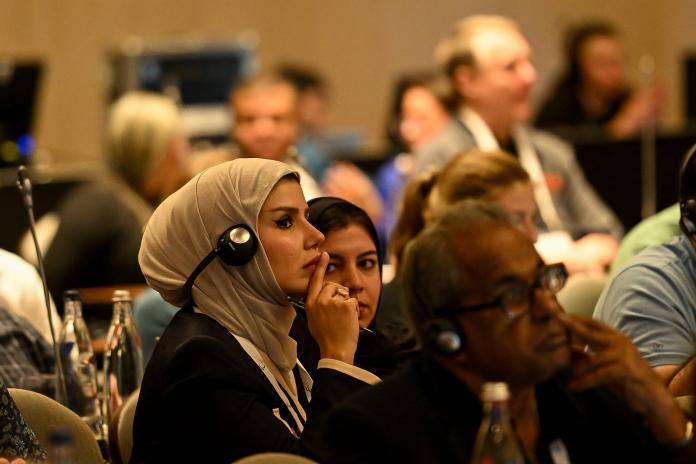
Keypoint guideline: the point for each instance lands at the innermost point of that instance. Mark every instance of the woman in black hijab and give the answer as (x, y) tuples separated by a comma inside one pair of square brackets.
[(355, 262)]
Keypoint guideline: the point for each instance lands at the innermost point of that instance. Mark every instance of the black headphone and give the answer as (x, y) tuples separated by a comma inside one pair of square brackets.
[(687, 193), (235, 247), (444, 335)]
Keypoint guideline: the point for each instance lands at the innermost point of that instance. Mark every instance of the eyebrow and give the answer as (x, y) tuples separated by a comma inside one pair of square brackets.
[(367, 253), (515, 278), (286, 209), (361, 255)]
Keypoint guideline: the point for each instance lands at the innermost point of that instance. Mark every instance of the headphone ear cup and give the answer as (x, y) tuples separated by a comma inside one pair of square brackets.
[(237, 245), (688, 216), (444, 337)]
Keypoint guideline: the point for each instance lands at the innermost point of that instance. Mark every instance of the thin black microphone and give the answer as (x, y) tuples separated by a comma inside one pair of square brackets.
[(24, 185)]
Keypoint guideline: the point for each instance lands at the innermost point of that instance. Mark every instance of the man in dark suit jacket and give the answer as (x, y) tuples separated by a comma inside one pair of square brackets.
[(484, 308)]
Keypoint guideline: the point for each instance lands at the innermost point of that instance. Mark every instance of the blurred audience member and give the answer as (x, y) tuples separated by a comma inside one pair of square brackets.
[(489, 63), (652, 298), (593, 97), (313, 106), (26, 359), (151, 315), (654, 230), (17, 440), (100, 223), (474, 174), (267, 126), (483, 304), (421, 110), (21, 293), (266, 123)]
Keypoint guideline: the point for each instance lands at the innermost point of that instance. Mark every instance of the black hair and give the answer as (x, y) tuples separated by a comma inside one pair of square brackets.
[(431, 80), (329, 213), (301, 77), (576, 37)]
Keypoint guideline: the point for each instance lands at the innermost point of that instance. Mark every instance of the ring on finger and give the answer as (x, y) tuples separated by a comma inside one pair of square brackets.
[(343, 292)]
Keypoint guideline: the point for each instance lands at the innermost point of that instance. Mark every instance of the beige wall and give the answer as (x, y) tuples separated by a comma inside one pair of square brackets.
[(360, 45)]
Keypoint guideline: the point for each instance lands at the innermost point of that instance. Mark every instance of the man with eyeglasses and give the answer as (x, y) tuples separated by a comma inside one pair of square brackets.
[(484, 309)]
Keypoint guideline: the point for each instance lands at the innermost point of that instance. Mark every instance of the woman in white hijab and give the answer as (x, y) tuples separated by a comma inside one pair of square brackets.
[(224, 380)]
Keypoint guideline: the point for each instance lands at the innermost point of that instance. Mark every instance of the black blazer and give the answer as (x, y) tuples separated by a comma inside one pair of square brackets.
[(423, 414), (203, 399), (375, 353)]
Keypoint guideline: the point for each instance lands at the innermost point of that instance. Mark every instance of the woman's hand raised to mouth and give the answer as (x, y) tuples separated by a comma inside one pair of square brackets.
[(332, 316)]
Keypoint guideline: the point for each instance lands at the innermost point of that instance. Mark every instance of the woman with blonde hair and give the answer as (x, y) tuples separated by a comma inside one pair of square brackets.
[(474, 174), (98, 225)]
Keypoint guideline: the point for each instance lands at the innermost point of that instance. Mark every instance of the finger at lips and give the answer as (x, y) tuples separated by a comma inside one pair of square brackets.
[(316, 282)]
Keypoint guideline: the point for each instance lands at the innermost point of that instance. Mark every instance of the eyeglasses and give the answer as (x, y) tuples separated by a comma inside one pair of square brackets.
[(518, 299)]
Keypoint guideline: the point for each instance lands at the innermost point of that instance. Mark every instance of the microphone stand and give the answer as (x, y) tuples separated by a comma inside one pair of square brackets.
[(648, 159), (24, 185)]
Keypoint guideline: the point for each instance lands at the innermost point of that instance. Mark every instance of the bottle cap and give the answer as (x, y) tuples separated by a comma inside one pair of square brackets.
[(495, 391), (60, 437), (71, 295), (121, 295)]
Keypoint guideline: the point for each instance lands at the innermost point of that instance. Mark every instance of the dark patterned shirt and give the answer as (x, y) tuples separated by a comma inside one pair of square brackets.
[(16, 438), (25, 356)]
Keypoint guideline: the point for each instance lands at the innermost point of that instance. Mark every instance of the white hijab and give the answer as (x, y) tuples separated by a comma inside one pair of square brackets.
[(246, 300)]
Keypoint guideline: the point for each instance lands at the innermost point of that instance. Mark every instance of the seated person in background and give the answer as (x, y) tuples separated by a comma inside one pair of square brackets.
[(21, 293), (654, 230), (421, 110), (224, 380), (482, 302), (355, 262), (25, 356), (652, 298), (151, 315), (593, 98), (313, 104), (473, 174), (17, 440), (99, 224), (488, 61), (266, 126)]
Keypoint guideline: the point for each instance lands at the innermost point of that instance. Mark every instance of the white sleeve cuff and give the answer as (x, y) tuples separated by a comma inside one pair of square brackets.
[(348, 369)]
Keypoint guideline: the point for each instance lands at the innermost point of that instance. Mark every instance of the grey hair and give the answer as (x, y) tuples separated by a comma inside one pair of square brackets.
[(459, 47), (432, 274), (142, 126)]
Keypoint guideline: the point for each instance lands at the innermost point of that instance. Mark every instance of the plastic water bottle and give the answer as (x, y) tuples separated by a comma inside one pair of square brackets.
[(79, 365), (496, 441), (123, 360)]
